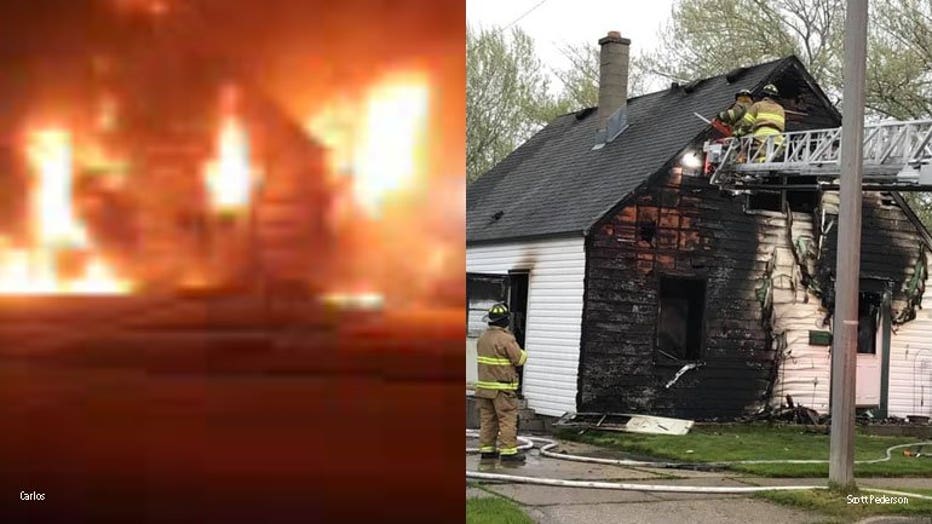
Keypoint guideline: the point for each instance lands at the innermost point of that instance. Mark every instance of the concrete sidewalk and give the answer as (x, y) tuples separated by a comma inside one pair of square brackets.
[(553, 505)]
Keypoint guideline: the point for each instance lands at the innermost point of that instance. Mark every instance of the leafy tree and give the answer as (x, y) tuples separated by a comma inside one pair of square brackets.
[(508, 92), (507, 97), (706, 37), (580, 79)]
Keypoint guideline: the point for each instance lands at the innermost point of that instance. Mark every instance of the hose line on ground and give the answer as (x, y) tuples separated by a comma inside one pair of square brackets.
[(548, 444)]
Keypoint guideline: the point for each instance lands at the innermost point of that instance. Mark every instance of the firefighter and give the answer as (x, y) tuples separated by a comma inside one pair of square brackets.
[(497, 387), (766, 118), (734, 115)]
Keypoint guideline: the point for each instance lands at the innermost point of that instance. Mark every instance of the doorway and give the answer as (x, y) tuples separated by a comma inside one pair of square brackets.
[(517, 303), (870, 349)]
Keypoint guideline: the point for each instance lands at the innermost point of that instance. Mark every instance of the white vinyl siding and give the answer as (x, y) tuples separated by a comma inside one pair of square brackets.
[(554, 317), (805, 369), (911, 363)]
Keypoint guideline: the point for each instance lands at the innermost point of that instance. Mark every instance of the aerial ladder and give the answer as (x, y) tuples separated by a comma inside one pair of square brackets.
[(897, 157)]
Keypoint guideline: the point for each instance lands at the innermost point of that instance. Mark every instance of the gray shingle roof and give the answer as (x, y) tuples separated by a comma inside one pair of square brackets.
[(556, 184)]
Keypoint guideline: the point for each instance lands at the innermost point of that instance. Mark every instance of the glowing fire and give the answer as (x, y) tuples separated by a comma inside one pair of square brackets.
[(395, 123), (366, 301), (55, 231), (229, 177), (98, 278), (383, 153), (334, 128), (53, 215)]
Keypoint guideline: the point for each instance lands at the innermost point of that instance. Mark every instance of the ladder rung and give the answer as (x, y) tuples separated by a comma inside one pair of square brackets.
[(894, 151)]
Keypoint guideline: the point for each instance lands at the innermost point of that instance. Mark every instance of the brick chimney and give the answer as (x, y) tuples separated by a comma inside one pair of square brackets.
[(613, 75)]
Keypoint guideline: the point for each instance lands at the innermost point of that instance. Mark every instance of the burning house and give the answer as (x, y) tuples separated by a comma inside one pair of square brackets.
[(640, 286), (148, 156), (201, 204), (149, 183)]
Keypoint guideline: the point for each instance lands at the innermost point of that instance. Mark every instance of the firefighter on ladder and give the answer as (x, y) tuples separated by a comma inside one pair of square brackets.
[(734, 115), (766, 119), (497, 388)]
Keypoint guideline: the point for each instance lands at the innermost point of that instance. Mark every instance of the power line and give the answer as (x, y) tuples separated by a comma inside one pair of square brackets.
[(501, 30), (529, 11)]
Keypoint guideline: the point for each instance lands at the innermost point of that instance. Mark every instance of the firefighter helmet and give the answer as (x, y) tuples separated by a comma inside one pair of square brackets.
[(743, 92), (497, 312), (771, 90)]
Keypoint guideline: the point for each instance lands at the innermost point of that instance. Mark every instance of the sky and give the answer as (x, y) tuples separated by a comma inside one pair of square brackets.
[(556, 23)]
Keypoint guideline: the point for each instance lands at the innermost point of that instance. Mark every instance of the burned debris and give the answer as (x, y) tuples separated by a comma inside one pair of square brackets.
[(627, 423)]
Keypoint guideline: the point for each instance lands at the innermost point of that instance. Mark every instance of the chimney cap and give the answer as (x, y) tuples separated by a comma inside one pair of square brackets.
[(614, 37)]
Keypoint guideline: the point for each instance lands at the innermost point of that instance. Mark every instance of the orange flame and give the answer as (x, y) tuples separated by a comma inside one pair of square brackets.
[(229, 177), (54, 229), (384, 152)]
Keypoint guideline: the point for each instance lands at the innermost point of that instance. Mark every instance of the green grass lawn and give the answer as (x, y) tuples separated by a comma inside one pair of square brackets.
[(838, 507), (494, 510), (763, 442)]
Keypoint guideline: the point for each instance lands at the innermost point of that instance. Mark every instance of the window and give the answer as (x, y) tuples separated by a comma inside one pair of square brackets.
[(765, 200), (482, 290), (800, 201), (868, 310), (646, 232), (680, 319)]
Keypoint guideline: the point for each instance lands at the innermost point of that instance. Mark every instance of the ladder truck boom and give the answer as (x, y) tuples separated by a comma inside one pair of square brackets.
[(895, 153)]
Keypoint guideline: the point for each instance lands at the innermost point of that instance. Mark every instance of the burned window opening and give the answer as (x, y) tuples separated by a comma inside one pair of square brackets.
[(780, 198), (868, 316), (798, 201), (680, 318), (765, 201), (802, 201), (646, 232), (806, 201)]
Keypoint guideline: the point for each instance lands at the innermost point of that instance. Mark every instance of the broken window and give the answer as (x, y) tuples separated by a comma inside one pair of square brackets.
[(868, 312), (766, 201), (800, 201), (482, 291), (646, 231), (803, 201), (680, 319)]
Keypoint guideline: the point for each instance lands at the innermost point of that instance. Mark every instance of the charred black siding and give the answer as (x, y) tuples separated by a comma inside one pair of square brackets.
[(890, 248), (699, 233)]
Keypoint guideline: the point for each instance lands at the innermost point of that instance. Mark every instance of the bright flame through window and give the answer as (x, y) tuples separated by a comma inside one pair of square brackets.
[(53, 215), (379, 140), (387, 157), (55, 231), (229, 177)]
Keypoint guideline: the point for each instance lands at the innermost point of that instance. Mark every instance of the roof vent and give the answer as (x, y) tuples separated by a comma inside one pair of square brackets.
[(674, 85), (497, 216), (735, 74), (690, 87), (583, 113)]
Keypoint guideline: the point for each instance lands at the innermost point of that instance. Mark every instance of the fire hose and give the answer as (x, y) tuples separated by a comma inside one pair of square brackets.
[(527, 442)]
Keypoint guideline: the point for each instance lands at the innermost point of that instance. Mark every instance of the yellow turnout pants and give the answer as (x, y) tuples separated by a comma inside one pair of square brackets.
[(498, 420)]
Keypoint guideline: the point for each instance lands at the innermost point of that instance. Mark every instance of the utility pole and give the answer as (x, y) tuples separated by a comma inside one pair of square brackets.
[(848, 265)]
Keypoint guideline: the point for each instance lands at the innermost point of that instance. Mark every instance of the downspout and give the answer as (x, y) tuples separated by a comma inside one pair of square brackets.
[(885, 320)]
